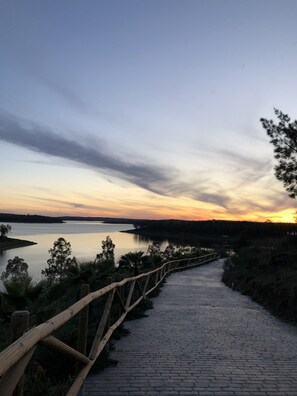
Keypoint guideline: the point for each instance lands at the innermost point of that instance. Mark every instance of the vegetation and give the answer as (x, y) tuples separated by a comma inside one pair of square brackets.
[(60, 261), (268, 274), (283, 137), (16, 278), (107, 253), (20, 218), (132, 261), (4, 230), (212, 233)]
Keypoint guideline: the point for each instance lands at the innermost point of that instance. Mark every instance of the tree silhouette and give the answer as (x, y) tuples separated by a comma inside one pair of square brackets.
[(16, 279), (4, 230), (283, 137), (132, 260), (60, 260), (107, 251)]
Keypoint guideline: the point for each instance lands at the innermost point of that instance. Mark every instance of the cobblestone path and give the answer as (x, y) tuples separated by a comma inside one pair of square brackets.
[(204, 339)]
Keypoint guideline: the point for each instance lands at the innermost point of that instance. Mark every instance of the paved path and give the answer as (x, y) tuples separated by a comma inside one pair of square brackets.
[(204, 339)]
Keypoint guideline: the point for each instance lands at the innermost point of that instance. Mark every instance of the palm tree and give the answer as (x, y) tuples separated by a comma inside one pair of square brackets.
[(132, 260)]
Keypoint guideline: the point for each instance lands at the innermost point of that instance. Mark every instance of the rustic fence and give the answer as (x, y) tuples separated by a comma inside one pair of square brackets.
[(121, 298)]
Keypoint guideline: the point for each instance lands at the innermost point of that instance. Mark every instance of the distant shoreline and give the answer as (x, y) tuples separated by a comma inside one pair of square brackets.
[(172, 237), (20, 218), (13, 243)]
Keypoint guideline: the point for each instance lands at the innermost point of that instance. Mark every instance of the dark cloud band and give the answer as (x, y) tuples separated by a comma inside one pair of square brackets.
[(45, 141)]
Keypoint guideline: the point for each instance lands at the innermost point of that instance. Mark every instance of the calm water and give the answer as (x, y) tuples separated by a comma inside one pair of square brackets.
[(85, 238)]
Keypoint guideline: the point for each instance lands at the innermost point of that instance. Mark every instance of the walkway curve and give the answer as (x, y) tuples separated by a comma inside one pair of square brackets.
[(203, 339)]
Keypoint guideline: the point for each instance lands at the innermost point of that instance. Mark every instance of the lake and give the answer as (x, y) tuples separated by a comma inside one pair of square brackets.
[(85, 238)]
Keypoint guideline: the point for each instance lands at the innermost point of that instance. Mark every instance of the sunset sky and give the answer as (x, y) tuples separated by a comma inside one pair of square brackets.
[(145, 109)]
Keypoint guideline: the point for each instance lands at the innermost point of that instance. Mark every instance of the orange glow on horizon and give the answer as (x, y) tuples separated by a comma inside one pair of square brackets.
[(285, 216), (136, 204)]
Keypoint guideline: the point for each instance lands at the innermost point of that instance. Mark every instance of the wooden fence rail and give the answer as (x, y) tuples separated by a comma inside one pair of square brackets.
[(15, 358)]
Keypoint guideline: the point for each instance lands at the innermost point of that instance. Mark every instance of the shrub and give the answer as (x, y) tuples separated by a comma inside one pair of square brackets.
[(268, 274)]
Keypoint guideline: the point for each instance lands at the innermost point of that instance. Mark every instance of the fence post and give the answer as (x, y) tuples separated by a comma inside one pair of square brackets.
[(18, 325), (83, 322), (122, 290), (108, 282), (122, 297)]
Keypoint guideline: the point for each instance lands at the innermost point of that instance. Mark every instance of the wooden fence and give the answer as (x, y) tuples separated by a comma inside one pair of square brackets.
[(124, 296)]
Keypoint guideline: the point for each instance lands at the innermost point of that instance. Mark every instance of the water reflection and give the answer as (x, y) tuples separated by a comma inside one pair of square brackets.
[(85, 239), (141, 238)]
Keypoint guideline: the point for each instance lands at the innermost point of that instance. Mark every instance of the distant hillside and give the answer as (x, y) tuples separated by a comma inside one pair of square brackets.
[(226, 232), (19, 218)]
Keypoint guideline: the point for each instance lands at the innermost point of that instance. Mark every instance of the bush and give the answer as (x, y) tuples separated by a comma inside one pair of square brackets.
[(268, 274)]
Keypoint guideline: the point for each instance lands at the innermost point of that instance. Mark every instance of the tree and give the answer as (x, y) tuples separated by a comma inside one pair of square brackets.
[(283, 137), (60, 261), (154, 250), (4, 230), (169, 251), (154, 255), (132, 261), (15, 277), (107, 252)]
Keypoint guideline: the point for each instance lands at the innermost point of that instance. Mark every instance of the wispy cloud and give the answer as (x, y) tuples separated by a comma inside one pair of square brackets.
[(65, 92), (43, 140), (162, 180), (75, 205), (220, 199), (252, 165)]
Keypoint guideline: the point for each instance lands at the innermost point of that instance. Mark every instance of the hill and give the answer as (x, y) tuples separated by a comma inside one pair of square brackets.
[(20, 218)]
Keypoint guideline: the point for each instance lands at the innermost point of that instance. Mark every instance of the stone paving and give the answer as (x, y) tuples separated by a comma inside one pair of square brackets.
[(204, 339)]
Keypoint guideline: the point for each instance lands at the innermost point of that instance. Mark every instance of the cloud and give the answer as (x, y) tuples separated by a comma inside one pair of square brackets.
[(162, 180), (66, 93), (246, 163), (219, 199), (63, 90), (246, 169), (274, 201), (42, 140), (76, 205)]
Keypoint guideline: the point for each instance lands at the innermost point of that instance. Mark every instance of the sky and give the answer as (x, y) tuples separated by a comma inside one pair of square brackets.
[(145, 108)]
